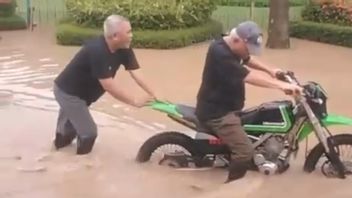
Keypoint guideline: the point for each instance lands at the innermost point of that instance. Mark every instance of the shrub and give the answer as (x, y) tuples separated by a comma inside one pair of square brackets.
[(13, 22), (70, 34), (328, 13), (326, 33), (258, 3), (143, 14), (7, 9)]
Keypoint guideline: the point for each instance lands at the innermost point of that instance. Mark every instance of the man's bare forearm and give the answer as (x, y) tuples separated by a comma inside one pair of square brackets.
[(256, 64), (140, 80), (257, 79), (116, 92)]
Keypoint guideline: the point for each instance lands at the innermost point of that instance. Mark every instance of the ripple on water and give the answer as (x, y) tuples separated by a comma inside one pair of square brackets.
[(15, 73), (45, 59), (5, 58), (18, 70), (14, 62), (50, 65), (17, 55), (5, 97)]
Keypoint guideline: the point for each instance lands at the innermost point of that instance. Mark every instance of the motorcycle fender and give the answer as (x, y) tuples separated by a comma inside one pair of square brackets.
[(327, 121), (164, 107), (337, 120)]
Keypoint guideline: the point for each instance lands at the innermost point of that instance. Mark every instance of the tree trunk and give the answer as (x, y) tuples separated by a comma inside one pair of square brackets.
[(278, 32)]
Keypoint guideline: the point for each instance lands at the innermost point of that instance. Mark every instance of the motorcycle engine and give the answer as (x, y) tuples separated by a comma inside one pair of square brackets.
[(268, 153), (273, 147)]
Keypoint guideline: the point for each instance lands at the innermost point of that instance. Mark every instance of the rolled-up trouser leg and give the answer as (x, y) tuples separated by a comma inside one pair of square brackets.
[(77, 113), (229, 129)]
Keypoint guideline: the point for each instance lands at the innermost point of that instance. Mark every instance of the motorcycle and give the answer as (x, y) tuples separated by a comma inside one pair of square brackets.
[(275, 129)]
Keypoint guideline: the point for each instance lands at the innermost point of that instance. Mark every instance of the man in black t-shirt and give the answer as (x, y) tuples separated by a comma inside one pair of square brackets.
[(222, 91), (88, 76)]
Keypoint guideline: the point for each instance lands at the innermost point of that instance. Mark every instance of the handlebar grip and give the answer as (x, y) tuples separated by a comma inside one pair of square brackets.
[(287, 76), (281, 76), (290, 92)]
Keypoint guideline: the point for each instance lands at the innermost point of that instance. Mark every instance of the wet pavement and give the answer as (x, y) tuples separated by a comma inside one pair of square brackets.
[(29, 167)]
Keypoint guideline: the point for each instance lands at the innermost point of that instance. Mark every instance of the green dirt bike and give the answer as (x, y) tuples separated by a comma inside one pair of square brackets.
[(275, 128)]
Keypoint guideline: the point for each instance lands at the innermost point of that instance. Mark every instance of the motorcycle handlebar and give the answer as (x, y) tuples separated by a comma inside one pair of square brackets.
[(289, 77)]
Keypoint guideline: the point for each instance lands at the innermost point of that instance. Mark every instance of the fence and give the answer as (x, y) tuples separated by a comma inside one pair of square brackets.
[(230, 16), (51, 11), (45, 11)]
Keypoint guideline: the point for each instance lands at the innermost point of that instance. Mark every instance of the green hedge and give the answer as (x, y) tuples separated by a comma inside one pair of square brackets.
[(143, 14), (326, 33), (328, 14), (69, 34), (14, 22), (7, 9), (258, 3)]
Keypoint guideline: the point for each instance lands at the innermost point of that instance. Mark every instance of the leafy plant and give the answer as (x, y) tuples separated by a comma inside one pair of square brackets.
[(328, 13), (71, 34), (143, 14), (326, 33), (13, 22), (7, 9), (258, 3)]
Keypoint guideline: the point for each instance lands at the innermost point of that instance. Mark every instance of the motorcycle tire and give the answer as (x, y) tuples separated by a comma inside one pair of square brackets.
[(318, 151), (166, 138)]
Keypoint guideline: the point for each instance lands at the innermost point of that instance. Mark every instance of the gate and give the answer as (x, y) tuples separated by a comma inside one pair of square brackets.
[(42, 12)]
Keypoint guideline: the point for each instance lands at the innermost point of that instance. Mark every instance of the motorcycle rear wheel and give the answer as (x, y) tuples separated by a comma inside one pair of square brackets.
[(167, 138)]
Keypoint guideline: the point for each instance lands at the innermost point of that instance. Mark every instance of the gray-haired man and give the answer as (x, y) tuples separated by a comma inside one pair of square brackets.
[(86, 78), (222, 92)]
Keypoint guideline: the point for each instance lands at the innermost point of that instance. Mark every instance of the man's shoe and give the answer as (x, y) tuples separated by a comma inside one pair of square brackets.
[(237, 170), (85, 145), (63, 140)]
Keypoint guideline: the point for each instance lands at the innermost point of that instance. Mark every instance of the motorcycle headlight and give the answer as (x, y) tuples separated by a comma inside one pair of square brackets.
[(316, 91)]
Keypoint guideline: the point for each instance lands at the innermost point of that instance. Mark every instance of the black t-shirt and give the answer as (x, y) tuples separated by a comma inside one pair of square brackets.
[(94, 61), (223, 88)]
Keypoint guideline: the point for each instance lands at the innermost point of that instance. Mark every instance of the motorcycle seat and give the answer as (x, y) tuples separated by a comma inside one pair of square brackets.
[(188, 114)]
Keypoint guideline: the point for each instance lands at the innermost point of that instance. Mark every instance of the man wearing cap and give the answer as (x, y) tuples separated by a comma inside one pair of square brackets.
[(222, 91)]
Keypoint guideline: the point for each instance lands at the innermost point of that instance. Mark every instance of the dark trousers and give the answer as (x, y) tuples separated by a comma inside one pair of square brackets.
[(74, 116), (229, 129)]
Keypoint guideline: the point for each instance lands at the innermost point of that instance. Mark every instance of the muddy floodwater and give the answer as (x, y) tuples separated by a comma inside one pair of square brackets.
[(30, 168)]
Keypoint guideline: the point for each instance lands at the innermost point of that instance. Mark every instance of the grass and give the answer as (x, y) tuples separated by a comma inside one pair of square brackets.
[(230, 16)]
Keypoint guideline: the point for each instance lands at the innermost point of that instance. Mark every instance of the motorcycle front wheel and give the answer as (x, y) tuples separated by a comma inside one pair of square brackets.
[(343, 146)]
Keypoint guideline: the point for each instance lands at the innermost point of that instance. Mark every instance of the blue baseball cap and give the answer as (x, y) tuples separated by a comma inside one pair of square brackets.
[(252, 35)]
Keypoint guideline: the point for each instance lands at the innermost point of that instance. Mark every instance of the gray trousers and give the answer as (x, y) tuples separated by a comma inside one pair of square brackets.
[(229, 129), (74, 116)]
